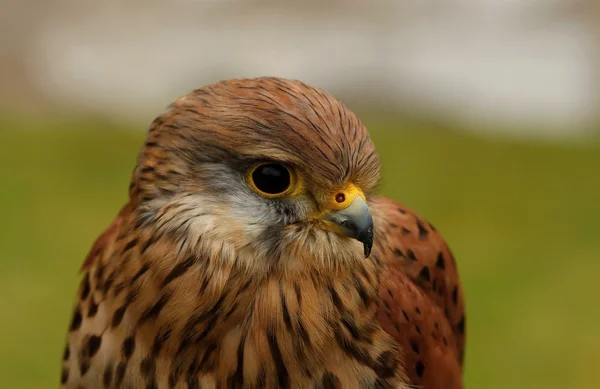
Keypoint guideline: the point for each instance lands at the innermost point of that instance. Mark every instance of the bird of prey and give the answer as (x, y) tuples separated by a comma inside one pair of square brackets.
[(252, 253)]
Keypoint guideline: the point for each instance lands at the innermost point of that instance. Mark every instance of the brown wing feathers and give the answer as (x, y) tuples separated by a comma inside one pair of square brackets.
[(421, 300)]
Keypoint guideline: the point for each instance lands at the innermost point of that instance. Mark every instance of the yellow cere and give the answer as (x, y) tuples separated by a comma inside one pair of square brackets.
[(341, 199)]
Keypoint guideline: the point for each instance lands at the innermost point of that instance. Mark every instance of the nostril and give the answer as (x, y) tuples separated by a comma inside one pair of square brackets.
[(340, 197)]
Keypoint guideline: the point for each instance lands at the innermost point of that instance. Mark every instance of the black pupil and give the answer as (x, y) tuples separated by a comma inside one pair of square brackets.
[(271, 178)]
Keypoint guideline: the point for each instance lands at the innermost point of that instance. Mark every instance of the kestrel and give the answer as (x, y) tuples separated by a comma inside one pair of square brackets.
[(253, 254)]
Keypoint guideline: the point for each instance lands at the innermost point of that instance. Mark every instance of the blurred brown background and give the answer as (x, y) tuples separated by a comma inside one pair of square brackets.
[(486, 114)]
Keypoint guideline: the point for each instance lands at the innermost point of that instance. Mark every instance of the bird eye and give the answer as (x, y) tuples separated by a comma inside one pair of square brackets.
[(270, 179)]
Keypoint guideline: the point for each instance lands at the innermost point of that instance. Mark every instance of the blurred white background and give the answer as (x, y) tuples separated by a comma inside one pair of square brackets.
[(530, 67)]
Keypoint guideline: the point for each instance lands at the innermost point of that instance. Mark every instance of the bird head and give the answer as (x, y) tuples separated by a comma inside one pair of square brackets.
[(265, 171)]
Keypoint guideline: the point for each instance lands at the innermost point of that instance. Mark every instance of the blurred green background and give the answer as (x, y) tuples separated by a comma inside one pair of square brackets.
[(521, 218)]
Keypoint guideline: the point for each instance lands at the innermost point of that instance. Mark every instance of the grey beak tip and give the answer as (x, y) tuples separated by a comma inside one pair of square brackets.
[(357, 223)]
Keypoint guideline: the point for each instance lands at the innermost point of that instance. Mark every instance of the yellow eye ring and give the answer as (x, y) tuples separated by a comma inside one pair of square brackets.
[(272, 179)]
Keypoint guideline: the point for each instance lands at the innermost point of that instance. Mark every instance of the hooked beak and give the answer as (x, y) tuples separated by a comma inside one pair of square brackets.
[(354, 221)]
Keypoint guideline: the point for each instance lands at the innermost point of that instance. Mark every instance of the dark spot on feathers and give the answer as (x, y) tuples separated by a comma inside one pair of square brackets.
[(330, 381), (120, 373), (146, 244), (432, 227), (353, 350), (85, 286), (424, 274), (411, 255), (118, 316), (126, 283), (440, 263), (237, 379), (193, 383), (107, 375), (153, 311), (420, 369), (283, 377), (99, 273), (151, 383), (337, 301), (163, 335), (402, 211), (414, 346), (399, 253), (461, 326), (172, 380), (387, 305), (147, 169), (230, 311), (303, 333), (128, 347), (108, 283), (93, 345), (351, 327), (148, 367), (140, 272), (129, 245), (362, 292), (423, 232), (64, 377), (405, 231), (244, 287), (298, 294), (208, 360), (76, 321), (286, 313), (84, 366), (179, 270), (405, 314), (67, 353), (455, 295), (203, 286), (417, 310), (386, 365), (93, 308), (131, 296)]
